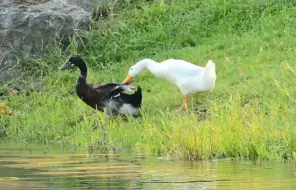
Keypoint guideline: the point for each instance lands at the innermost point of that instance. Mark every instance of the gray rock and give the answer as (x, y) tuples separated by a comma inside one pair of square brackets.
[(88, 5), (29, 25)]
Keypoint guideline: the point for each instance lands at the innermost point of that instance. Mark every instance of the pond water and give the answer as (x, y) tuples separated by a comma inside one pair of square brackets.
[(31, 167)]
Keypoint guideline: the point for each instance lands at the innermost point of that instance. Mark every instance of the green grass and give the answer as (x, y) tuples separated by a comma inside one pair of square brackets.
[(250, 113)]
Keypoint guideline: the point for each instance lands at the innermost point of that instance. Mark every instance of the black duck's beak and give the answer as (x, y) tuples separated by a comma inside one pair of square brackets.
[(66, 65)]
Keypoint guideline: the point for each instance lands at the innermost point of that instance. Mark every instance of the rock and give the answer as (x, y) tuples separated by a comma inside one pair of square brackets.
[(29, 25), (88, 5)]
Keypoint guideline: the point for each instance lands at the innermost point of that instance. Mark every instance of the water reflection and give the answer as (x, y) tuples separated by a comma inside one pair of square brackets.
[(29, 168)]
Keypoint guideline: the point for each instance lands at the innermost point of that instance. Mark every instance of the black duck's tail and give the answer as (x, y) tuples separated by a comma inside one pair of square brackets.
[(134, 99)]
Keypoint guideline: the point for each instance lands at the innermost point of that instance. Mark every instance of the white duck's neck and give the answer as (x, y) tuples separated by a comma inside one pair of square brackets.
[(150, 65)]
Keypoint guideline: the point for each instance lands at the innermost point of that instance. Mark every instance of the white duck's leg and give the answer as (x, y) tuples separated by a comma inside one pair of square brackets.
[(185, 103)]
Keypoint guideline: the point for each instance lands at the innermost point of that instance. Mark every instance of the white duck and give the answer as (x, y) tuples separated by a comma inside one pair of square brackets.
[(189, 78)]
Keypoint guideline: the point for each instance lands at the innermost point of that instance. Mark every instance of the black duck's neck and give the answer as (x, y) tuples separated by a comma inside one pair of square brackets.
[(83, 70)]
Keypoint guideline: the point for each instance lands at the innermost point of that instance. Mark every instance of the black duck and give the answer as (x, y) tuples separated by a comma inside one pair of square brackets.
[(110, 98)]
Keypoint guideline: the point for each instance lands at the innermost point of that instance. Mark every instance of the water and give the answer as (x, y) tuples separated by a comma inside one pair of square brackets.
[(30, 167)]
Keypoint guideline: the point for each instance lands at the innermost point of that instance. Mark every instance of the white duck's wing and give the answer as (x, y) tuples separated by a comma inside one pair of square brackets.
[(181, 67)]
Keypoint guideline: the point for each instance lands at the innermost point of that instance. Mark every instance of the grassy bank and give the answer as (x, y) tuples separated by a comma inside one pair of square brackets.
[(250, 113)]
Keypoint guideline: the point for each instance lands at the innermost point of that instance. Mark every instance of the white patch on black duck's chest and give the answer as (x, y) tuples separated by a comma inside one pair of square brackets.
[(116, 107), (128, 109)]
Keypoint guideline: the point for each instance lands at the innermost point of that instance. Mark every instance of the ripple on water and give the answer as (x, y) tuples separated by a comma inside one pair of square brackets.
[(27, 167)]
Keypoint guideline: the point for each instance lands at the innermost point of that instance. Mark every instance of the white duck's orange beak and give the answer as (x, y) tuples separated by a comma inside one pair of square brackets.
[(128, 79)]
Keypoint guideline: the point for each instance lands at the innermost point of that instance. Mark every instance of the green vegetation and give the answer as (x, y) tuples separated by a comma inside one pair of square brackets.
[(250, 114)]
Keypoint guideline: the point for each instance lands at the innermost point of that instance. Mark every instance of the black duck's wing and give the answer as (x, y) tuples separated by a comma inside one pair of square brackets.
[(134, 99), (111, 89)]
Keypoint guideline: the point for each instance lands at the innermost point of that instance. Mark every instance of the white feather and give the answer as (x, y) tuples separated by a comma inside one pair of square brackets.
[(128, 88), (128, 109)]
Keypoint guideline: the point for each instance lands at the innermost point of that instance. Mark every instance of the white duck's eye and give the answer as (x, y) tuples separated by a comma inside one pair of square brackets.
[(131, 69)]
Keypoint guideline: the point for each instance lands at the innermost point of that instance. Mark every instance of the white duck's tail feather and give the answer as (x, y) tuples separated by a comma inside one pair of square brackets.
[(210, 70), (210, 63)]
